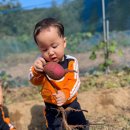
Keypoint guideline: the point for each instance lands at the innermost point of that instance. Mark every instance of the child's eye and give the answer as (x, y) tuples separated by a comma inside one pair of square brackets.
[(44, 49), (55, 46)]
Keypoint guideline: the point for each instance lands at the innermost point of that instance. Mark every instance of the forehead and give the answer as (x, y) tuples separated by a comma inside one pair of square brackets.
[(50, 31), (48, 35)]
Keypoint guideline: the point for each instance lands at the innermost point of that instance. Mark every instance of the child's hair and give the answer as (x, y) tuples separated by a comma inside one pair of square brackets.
[(46, 23)]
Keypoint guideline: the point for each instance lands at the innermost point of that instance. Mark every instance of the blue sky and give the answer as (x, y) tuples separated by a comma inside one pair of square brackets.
[(37, 3), (31, 4)]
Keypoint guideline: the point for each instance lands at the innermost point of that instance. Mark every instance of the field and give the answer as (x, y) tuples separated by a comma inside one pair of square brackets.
[(108, 108)]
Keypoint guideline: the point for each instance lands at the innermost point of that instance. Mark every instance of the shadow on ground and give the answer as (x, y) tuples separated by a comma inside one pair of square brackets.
[(37, 120)]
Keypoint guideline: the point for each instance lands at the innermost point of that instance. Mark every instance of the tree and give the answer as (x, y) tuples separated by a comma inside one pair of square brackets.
[(9, 4)]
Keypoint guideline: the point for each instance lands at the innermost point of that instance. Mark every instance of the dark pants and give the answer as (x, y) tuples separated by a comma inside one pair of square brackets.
[(54, 117), (3, 125)]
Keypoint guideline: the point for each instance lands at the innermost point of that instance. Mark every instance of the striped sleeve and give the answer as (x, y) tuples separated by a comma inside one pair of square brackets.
[(35, 77), (74, 80)]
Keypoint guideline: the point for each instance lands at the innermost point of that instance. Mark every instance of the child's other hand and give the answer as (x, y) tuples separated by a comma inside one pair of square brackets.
[(39, 64), (60, 98)]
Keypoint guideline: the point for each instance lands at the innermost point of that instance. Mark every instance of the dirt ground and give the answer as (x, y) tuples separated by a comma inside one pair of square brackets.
[(108, 107)]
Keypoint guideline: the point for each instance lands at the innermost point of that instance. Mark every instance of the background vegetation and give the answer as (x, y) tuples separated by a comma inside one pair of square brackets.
[(82, 20)]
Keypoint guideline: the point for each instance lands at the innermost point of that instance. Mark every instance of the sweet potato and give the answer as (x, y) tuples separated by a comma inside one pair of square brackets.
[(55, 70)]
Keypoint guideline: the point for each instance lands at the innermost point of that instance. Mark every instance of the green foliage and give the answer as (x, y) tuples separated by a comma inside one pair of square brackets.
[(16, 28), (76, 42), (14, 45), (9, 4), (104, 65), (21, 22), (112, 47), (93, 55), (108, 48), (112, 80), (6, 79), (72, 13), (9, 82)]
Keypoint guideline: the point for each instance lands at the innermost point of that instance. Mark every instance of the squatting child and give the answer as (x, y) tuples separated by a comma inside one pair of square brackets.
[(50, 39), (4, 120)]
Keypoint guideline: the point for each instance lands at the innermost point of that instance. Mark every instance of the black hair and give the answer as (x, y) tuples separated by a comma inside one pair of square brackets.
[(46, 23)]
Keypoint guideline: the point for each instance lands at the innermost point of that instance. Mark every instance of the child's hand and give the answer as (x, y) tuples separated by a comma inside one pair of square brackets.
[(60, 98), (39, 64)]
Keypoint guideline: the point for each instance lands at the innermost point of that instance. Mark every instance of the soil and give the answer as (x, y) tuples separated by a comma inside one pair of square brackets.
[(108, 107)]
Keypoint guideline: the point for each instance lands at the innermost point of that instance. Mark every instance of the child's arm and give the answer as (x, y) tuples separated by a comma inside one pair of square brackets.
[(73, 83), (66, 93), (70, 87), (36, 71)]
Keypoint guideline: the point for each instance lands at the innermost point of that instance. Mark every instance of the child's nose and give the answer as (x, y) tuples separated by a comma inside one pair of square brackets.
[(50, 52)]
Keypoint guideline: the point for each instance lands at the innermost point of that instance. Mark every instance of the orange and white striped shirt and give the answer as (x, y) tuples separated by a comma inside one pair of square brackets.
[(69, 84)]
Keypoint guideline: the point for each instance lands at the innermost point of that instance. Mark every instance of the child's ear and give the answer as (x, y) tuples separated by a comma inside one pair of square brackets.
[(64, 42)]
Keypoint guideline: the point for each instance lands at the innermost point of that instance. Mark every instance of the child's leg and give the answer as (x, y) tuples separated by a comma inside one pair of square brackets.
[(77, 118), (54, 119)]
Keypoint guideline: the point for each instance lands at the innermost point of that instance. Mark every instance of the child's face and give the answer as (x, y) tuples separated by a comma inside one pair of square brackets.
[(51, 44)]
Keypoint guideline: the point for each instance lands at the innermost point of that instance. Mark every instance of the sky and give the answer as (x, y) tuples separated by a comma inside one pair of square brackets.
[(37, 3), (31, 4)]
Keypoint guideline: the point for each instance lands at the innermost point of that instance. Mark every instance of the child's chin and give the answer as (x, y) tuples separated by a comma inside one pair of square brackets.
[(55, 60)]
